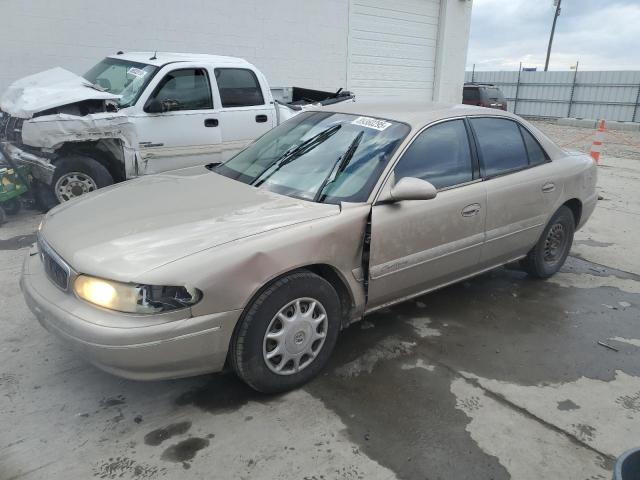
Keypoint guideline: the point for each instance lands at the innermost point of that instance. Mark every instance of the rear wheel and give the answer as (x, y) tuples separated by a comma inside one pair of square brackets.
[(552, 249), (287, 333)]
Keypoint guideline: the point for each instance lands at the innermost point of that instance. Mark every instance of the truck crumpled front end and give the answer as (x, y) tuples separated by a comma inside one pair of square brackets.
[(43, 114)]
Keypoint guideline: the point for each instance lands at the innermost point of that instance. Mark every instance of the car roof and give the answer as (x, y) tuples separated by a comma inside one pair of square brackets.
[(415, 114), (162, 58)]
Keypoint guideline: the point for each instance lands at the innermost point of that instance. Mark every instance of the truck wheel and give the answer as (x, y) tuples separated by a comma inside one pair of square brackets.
[(287, 333), (13, 206), (43, 197), (552, 249), (76, 175)]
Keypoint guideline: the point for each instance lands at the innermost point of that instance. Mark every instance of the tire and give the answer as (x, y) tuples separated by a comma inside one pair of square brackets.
[(75, 175), (552, 249), (43, 197), (3, 216), (250, 344), (13, 206)]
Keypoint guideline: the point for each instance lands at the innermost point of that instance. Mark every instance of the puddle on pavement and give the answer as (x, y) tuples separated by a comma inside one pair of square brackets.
[(16, 243), (112, 401), (156, 437), (222, 394), (184, 451)]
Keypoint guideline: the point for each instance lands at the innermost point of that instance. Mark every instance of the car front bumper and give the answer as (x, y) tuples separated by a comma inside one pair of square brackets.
[(155, 348)]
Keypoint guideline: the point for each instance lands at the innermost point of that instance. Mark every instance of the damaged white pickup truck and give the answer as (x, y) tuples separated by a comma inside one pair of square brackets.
[(139, 113)]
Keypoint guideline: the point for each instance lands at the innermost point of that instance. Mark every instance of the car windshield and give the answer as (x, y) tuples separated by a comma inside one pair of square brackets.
[(319, 156), (122, 77)]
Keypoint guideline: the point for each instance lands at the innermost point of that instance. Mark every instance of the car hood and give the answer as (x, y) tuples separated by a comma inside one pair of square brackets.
[(125, 230), (49, 89)]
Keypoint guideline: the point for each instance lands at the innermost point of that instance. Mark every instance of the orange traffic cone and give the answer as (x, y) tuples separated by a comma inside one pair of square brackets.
[(597, 143)]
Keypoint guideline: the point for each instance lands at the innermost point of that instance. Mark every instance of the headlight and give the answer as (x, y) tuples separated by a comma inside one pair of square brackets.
[(133, 298)]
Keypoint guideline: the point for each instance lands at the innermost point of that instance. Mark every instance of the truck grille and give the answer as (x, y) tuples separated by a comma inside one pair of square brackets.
[(10, 128), (57, 269)]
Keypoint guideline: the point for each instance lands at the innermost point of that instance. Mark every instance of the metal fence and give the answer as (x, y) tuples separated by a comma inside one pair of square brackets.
[(613, 95)]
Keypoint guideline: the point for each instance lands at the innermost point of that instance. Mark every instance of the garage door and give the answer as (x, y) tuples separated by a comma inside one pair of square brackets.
[(392, 49)]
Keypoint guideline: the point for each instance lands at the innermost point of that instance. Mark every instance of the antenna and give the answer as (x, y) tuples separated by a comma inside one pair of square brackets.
[(155, 56)]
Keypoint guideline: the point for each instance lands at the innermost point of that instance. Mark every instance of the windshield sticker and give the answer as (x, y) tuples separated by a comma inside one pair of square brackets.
[(136, 72), (371, 123)]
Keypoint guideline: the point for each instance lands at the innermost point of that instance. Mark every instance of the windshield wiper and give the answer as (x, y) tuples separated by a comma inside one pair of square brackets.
[(95, 86), (296, 152), (338, 167)]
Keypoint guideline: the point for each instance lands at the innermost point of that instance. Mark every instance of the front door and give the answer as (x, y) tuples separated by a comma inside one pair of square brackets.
[(245, 114), (421, 244), (188, 132)]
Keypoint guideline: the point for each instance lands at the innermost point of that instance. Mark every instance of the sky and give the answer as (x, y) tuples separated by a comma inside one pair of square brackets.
[(600, 34)]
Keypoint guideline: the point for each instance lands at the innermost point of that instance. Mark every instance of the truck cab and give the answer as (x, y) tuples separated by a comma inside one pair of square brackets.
[(134, 114)]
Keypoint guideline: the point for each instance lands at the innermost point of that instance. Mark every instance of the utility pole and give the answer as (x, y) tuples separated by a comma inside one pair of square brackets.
[(556, 3)]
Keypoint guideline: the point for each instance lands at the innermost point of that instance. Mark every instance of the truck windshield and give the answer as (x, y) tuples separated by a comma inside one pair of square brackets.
[(122, 77), (319, 156)]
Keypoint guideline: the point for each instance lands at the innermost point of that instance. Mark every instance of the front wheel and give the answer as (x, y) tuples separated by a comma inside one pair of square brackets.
[(287, 334), (552, 249), (75, 175)]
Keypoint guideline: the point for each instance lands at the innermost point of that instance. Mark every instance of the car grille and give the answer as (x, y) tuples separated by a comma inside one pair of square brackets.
[(57, 269), (10, 128)]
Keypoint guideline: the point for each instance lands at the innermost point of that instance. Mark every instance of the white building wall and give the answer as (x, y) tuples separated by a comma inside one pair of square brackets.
[(294, 42), (453, 40)]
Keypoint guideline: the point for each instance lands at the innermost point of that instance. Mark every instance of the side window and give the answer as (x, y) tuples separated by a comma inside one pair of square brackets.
[(238, 87), (186, 89), (535, 151), (500, 144), (440, 155)]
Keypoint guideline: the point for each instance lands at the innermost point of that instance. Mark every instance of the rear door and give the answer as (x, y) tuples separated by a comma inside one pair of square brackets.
[(418, 245), (186, 134), (520, 188), (246, 112)]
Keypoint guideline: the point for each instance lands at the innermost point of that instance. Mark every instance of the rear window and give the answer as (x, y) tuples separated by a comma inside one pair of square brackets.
[(238, 87), (493, 94), (471, 94), (535, 151)]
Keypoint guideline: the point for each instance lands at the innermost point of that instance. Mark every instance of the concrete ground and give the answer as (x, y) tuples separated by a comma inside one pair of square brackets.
[(497, 377)]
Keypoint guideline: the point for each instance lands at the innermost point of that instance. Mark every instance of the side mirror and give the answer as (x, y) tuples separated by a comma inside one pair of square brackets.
[(410, 188), (155, 106)]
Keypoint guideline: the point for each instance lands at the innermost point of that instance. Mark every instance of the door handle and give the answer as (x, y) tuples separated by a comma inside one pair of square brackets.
[(211, 122), (261, 118), (548, 187), (471, 210)]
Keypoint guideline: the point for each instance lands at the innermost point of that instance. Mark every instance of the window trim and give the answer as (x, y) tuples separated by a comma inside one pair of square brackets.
[(475, 177), (156, 89), (255, 77), (519, 125)]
